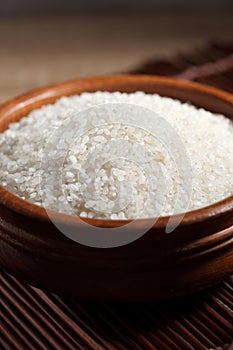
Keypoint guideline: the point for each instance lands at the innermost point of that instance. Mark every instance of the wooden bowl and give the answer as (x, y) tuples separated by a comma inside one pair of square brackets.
[(197, 254)]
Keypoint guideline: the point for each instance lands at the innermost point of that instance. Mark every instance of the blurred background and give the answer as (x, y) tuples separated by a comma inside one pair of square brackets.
[(94, 6), (42, 42)]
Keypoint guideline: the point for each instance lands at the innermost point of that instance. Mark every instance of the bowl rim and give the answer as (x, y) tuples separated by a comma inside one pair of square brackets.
[(20, 206)]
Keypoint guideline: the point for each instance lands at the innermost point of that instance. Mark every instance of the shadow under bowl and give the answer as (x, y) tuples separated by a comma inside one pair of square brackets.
[(199, 253)]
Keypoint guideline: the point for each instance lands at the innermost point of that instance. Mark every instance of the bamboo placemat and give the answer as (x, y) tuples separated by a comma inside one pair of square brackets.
[(212, 66), (33, 319)]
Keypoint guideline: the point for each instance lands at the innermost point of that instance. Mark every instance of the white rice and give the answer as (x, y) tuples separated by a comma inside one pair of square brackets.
[(29, 158)]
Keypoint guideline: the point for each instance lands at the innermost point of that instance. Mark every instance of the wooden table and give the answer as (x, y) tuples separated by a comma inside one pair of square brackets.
[(43, 50)]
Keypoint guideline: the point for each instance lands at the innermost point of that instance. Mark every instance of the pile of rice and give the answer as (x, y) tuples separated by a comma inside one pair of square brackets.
[(121, 188)]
